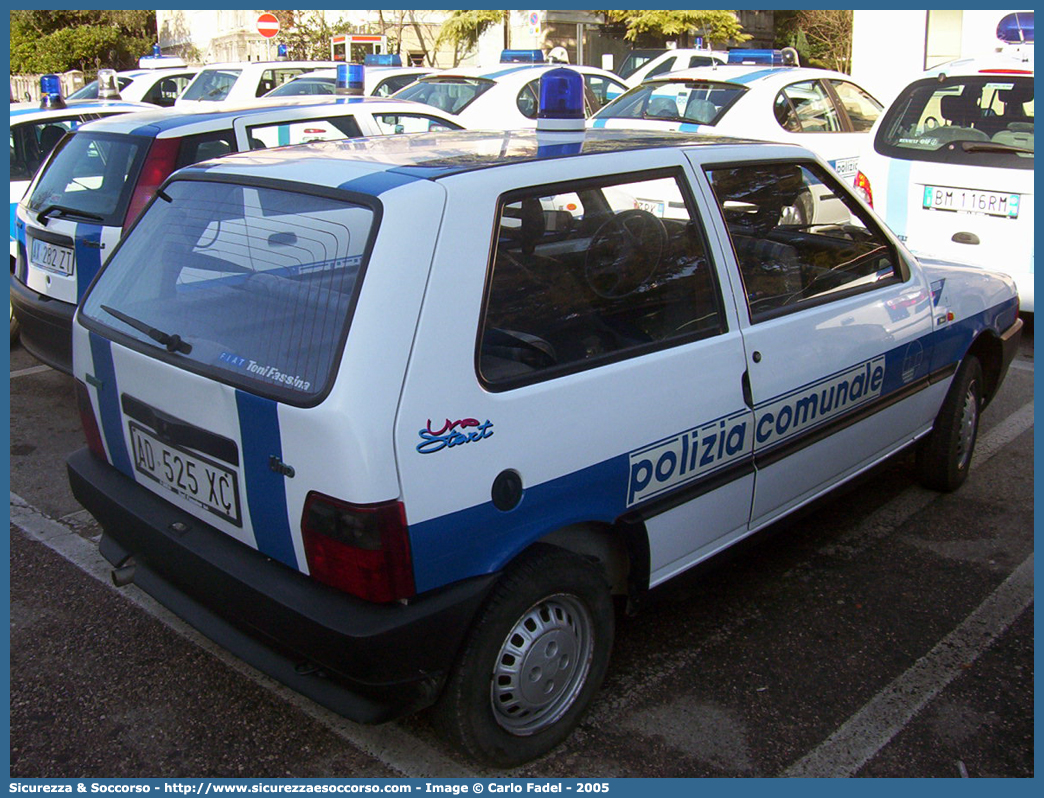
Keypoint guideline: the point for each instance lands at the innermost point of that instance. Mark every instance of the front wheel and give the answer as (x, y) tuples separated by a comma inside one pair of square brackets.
[(533, 660), (943, 458)]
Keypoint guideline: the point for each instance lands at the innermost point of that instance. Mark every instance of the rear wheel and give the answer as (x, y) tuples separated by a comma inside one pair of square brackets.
[(14, 326), (943, 458), (532, 662)]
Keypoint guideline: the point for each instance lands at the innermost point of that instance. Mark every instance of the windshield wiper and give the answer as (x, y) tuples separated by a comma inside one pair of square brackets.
[(173, 343), (42, 215), (992, 146)]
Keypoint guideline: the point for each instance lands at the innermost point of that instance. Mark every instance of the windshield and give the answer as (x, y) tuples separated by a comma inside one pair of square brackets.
[(452, 95), (91, 174), (212, 85), (256, 285), (304, 86), (695, 102), (984, 120), (90, 91)]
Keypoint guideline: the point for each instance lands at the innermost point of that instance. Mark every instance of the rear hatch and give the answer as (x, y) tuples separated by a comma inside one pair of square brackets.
[(75, 210), (214, 332)]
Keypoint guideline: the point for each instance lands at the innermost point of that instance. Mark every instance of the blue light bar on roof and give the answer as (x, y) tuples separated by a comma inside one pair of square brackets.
[(383, 59), (521, 57), (156, 51), (51, 92), (763, 57), (1016, 28)]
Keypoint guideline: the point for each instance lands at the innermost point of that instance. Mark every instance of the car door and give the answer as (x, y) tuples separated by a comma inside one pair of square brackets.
[(836, 333)]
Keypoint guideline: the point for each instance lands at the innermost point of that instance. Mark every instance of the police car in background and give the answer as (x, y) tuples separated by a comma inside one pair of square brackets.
[(241, 81), (36, 129), (816, 108), (380, 81), (506, 96), (950, 166), (154, 86), (674, 60), (372, 416), (97, 182)]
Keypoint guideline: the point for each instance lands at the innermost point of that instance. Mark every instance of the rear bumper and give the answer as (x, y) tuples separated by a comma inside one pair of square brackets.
[(368, 662), (45, 325)]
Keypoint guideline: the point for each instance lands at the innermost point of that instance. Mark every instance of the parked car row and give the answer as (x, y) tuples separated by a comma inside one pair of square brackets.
[(398, 411)]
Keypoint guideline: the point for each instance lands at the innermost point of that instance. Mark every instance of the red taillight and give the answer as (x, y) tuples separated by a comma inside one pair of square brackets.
[(362, 549), (862, 185), (159, 163), (1005, 71), (91, 430)]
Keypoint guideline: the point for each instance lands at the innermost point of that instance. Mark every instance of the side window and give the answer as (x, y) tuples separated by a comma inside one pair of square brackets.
[(584, 275), (799, 239), (165, 91), (271, 78), (410, 123), (528, 100), (301, 131), (862, 109), (659, 69), (814, 111), (600, 91), (204, 146)]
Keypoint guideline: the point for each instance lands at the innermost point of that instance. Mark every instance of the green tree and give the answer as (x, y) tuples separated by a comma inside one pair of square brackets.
[(60, 40), (463, 29), (823, 38), (716, 27), (306, 34)]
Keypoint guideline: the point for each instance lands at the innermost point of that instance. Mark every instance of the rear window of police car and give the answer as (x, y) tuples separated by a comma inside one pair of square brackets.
[(258, 282), (979, 120), (92, 173)]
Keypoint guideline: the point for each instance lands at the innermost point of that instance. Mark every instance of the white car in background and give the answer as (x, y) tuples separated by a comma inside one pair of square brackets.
[(242, 81), (949, 166), (378, 81), (820, 109), (504, 97), (155, 86), (673, 61)]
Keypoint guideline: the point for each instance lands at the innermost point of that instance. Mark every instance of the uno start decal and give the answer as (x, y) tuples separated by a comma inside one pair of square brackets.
[(448, 436)]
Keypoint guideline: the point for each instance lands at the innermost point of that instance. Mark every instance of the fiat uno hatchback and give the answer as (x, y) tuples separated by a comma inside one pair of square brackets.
[(396, 419)]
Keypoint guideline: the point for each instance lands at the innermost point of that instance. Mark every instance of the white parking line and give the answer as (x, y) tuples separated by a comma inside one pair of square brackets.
[(1022, 365), (31, 370), (870, 729), (389, 744)]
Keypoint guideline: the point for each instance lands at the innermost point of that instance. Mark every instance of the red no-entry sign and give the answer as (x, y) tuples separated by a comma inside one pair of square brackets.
[(267, 25)]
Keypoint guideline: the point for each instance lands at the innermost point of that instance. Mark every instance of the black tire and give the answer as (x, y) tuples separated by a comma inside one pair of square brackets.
[(563, 601), (14, 328), (943, 458)]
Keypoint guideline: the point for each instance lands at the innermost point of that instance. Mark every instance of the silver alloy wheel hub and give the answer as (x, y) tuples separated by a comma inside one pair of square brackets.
[(542, 665), (969, 422)]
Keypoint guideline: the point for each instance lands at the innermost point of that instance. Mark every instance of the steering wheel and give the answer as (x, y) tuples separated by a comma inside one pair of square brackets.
[(624, 253)]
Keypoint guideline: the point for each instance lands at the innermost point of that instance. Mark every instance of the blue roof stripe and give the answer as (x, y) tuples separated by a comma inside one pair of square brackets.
[(752, 76), (508, 71), (377, 183)]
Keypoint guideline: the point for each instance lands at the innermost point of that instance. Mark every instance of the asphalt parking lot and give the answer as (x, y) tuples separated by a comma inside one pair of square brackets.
[(888, 631)]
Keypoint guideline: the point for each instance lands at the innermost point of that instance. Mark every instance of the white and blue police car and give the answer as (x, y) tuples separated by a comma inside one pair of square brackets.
[(396, 419), (36, 129), (822, 110), (98, 180), (949, 166), (505, 96)]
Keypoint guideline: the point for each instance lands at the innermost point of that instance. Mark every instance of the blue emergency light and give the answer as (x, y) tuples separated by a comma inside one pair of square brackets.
[(561, 100), (51, 92), (156, 51), (281, 51), (521, 57), (350, 79), (1016, 28), (763, 57), (383, 59)]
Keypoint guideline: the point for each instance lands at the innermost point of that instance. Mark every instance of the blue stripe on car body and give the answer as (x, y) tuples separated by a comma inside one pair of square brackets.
[(266, 490), (464, 543), (111, 418), (87, 242), (376, 183)]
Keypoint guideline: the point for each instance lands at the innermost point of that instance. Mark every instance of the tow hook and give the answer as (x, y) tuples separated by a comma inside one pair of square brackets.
[(123, 574)]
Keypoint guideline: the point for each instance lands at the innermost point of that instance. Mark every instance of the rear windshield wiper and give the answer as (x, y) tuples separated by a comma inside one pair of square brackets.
[(173, 343), (42, 215), (992, 146)]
